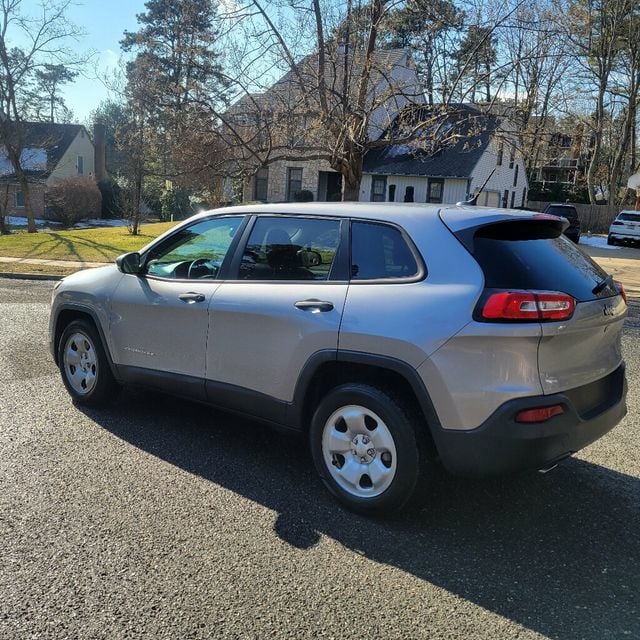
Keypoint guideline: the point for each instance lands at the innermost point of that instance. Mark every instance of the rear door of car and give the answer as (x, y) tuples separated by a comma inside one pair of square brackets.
[(282, 304)]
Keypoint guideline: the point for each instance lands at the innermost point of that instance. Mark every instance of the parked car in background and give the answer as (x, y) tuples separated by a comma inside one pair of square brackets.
[(392, 336), (625, 228), (569, 212)]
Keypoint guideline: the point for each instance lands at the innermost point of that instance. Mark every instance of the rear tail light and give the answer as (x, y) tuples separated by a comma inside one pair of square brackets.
[(539, 414), (531, 306), (616, 223), (621, 290)]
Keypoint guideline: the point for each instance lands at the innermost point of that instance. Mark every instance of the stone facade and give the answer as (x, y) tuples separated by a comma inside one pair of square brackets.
[(15, 206)]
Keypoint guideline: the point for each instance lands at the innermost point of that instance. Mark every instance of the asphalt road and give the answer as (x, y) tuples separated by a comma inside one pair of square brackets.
[(161, 519)]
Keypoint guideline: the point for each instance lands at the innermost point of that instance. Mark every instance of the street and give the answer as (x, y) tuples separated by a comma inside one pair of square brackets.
[(158, 518)]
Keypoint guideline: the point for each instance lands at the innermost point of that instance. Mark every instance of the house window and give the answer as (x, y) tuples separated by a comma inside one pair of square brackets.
[(513, 199), (392, 193), (294, 182), (515, 176), (505, 199), (434, 190), (378, 188), (80, 165), (408, 194), (19, 199), (261, 183), (524, 197), (512, 156), (500, 152)]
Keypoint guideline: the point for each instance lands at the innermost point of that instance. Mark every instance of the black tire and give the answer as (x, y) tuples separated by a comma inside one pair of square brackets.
[(95, 384), (399, 422), (610, 240)]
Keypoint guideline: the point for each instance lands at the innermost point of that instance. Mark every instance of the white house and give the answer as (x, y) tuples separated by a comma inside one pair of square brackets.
[(52, 152), (459, 155)]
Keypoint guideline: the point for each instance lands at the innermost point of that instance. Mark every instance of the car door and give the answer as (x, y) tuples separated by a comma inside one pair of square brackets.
[(284, 305), (159, 318)]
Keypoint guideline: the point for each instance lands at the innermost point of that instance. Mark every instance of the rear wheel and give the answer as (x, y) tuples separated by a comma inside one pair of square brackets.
[(610, 240), (84, 366), (365, 449)]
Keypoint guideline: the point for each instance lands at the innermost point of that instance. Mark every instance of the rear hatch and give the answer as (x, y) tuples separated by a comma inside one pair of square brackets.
[(626, 224), (527, 253)]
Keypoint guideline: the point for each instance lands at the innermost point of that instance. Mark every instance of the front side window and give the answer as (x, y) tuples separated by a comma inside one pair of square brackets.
[(290, 248), (294, 183), (434, 191), (380, 251), (196, 252)]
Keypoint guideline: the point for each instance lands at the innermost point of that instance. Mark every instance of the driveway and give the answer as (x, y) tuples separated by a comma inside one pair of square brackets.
[(157, 518)]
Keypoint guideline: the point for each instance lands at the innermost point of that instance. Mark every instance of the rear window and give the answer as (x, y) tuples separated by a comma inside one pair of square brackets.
[(629, 217), (562, 210), (517, 255), (379, 251)]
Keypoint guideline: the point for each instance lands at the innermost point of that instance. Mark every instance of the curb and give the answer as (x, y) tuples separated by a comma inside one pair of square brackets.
[(12, 275)]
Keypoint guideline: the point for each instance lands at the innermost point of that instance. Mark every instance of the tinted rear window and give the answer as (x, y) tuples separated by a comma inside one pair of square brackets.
[(560, 210), (379, 251), (630, 217), (533, 256)]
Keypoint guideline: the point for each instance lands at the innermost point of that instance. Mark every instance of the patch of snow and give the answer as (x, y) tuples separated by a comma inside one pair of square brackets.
[(89, 224), (16, 221), (598, 242)]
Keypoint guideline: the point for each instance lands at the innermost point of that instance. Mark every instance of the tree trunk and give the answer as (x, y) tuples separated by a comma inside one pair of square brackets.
[(4, 229), (351, 169), (26, 195)]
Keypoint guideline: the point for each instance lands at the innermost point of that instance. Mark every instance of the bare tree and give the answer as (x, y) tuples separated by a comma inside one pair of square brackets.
[(46, 34)]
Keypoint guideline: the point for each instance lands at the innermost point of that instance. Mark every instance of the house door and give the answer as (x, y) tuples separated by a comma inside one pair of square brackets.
[(329, 186)]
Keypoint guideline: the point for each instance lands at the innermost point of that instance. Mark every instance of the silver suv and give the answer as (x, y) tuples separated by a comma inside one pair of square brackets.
[(392, 336)]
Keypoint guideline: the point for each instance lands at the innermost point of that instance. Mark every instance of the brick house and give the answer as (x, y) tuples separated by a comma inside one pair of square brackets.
[(282, 117), (51, 152)]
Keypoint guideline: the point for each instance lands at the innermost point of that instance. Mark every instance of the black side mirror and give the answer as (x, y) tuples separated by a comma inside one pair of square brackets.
[(129, 263)]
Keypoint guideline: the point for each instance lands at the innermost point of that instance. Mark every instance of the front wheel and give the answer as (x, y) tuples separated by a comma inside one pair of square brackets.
[(364, 447), (84, 366)]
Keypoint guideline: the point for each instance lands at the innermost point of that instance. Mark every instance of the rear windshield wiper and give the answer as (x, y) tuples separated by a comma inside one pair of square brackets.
[(601, 286)]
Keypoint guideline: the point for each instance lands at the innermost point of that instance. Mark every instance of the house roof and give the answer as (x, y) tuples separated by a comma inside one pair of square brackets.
[(445, 145), (44, 144), (287, 89)]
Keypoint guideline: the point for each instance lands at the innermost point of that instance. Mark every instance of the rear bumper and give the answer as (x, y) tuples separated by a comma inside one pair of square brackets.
[(625, 235), (502, 445)]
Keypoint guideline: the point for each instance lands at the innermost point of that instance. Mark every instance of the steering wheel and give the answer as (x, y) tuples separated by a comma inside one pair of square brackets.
[(202, 268)]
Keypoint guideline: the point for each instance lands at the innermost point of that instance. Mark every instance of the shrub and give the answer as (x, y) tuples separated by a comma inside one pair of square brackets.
[(112, 203), (303, 196), (73, 199)]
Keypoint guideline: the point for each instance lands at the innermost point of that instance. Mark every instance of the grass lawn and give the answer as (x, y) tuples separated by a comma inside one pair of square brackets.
[(90, 245)]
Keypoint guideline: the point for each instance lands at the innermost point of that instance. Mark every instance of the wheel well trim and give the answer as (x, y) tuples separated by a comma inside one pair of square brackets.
[(389, 363), (88, 311)]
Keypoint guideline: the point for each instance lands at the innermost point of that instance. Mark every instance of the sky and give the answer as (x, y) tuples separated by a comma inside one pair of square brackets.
[(104, 22)]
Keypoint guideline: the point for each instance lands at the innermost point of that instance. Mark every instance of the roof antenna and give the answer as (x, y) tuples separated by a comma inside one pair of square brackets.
[(472, 202)]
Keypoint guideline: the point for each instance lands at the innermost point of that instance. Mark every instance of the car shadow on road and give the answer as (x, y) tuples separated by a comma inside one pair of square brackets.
[(558, 554)]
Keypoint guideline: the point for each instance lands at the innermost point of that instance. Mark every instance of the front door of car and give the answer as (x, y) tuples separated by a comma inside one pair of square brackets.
[(159, 318), (281, 305)]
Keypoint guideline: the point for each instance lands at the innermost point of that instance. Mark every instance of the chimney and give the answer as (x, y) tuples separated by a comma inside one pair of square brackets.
[(99, 134)]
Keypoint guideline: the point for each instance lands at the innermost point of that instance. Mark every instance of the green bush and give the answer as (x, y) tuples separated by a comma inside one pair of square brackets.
[(303, 196), (73, 199), (176, 203), (112, 202)]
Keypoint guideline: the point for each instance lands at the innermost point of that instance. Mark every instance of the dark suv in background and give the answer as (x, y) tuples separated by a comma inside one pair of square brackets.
[(569, 212)]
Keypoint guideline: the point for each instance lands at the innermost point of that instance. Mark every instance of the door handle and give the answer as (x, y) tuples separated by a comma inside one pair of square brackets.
[(191, 297), (314, 305)]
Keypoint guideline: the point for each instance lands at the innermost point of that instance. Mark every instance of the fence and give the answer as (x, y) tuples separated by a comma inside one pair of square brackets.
[(594, 218)]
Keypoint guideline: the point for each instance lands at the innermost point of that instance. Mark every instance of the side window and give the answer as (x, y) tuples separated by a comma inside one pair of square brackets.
[(195, 252), (290, 248), (380, 251)]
